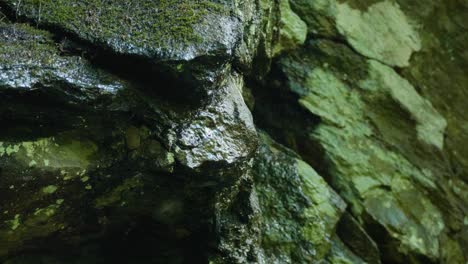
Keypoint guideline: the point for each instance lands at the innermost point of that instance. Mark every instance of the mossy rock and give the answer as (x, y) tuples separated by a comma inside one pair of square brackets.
[(299, 210), (160, 30), (31, 62)]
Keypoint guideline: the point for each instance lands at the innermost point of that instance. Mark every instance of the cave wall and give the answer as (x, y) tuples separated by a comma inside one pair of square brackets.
[(233, 131)]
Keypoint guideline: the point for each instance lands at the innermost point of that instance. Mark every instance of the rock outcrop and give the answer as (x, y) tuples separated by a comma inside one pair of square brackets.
[(233, 131)]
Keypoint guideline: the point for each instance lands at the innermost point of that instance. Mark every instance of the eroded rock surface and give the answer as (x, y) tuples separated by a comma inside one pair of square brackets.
[(379, 137), (299, 210), (233, 131), (90, 148)]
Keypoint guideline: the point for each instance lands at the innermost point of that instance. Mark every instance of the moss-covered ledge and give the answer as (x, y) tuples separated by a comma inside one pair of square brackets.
[(160, 30)]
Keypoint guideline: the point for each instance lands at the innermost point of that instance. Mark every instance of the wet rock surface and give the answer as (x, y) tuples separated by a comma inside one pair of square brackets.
[(86, 143), (299, 210), (233, 131), (159, 30)]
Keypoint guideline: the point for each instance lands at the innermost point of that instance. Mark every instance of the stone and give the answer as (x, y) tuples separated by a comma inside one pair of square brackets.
[(29, 59), (340, 254), (307, 212), (88, 144), (355, 237), (292, 32), (386, 185), (382, 32), (233, 131), (379, 30), (164, 30), (430, 125)]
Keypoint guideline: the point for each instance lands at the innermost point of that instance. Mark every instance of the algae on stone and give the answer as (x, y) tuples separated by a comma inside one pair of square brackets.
[(126, 128), (381, 184), (292, 30), (165, 29), (431, 125), (382, 32), (379, 31), (29, 59), (298, 209)]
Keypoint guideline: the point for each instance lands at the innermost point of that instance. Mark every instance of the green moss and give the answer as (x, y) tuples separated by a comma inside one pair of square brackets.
[(430, 124), (123, 24), (14, 223), (20, 43), (37, 224), (370, 176), (29, 57), (323, 213), (44, 213), (54, 153), (293, 31), (85, 179), (299, 210), (383, 32), (49, 189)]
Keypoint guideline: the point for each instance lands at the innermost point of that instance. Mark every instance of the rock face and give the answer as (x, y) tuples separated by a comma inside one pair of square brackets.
[(299, 210), (231, 131)]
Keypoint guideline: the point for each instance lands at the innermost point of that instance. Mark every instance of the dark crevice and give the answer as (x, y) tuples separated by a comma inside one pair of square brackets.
[(389, 246), (142, 233), (155, 80), (356, 238), (50, 116), (335, 39), (277, 112)]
